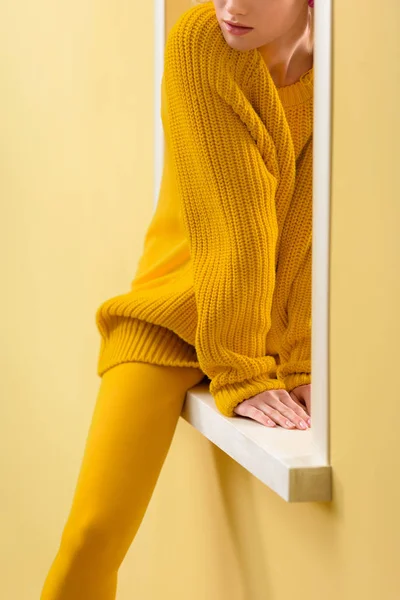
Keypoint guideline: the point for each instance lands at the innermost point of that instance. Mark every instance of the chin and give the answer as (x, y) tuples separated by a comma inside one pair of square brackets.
[(238, 43)]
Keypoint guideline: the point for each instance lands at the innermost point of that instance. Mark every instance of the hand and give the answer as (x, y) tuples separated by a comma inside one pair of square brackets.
[(276, 407), (302, 395)]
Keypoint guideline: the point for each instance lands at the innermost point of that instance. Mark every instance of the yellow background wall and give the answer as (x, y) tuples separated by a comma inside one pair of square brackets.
[(76, 197)]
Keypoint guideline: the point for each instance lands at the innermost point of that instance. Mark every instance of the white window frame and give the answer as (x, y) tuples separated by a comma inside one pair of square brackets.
[(295, 464)]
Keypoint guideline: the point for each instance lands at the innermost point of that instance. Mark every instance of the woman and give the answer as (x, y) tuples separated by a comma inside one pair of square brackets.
[(223, 287)]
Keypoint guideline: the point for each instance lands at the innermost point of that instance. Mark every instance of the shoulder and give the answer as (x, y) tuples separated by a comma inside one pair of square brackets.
[(196, 36), (198, 60)]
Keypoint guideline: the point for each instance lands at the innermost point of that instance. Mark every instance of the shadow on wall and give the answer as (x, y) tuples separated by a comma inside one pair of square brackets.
[(248, 505)]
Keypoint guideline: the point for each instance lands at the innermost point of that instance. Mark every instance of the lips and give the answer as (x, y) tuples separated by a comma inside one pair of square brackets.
[(238, 26), (237, 31)]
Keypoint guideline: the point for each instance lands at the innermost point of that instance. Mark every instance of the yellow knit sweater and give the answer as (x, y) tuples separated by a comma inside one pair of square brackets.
[(224, 280)]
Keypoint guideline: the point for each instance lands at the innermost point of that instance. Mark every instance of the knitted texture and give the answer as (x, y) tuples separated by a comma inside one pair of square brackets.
[(224, 280)]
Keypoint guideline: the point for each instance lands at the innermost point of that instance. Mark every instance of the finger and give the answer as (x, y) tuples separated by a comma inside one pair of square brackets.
[(299, 401), (308, 404), (303, 400), (275, 414), (308, 401), (288, 412), (298, 408), (284, 405), (302, 392), (248, 410)]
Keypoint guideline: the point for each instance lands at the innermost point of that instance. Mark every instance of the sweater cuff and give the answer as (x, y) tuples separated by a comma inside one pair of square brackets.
[(232, 394), (296, 370), (293, 381), (126, 339)]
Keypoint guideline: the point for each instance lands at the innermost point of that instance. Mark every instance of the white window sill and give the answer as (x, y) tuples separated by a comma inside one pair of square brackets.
[(284, 460)]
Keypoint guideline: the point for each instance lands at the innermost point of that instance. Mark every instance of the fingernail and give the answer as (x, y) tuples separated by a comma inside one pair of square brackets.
[(302, 425), (309, 422), (271, 423), (290, 424)]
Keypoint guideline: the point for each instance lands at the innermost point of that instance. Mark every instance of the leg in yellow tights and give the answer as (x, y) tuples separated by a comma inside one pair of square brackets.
[(134, 420)]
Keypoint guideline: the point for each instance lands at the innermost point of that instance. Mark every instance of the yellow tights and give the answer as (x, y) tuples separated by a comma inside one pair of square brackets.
[(135, 417)]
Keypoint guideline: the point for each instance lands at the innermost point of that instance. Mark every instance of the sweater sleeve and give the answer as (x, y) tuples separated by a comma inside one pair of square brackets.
[(295, 354), (231, 226)]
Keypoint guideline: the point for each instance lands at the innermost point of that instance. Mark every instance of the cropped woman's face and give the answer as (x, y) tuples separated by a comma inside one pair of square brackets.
[(270, 20)]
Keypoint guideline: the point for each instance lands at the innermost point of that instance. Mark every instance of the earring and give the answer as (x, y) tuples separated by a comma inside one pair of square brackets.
[(311, 3)]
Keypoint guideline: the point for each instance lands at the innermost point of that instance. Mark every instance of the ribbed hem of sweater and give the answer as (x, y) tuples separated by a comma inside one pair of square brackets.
[(296, 369), (130, 340), (296, 93), (299, 92), (293, 381), (228, 397)]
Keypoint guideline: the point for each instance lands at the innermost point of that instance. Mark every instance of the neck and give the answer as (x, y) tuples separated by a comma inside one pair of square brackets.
[(290, 56)]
